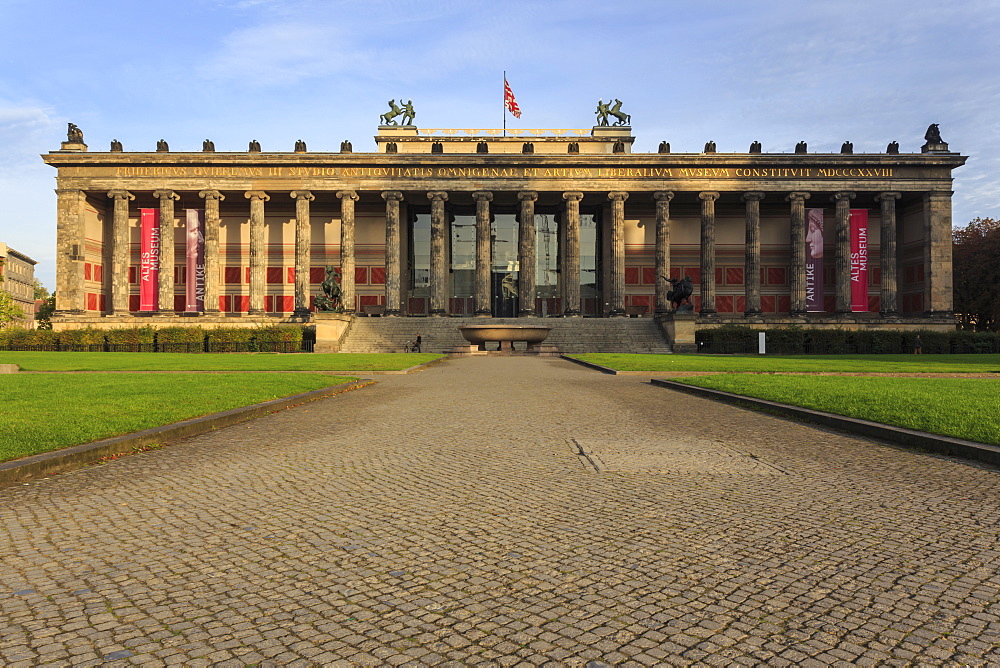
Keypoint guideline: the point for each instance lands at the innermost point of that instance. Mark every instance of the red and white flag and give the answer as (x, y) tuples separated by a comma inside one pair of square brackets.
[(508, 100)]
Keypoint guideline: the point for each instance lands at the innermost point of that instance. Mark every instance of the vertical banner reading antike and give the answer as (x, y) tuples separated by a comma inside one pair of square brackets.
[(195, 274), (814, 260), (149, 259), (859, 260)]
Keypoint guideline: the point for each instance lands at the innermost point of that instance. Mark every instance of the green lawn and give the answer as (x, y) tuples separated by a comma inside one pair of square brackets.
[(798, 363), (69, 361), (959, 407), (43, 412)]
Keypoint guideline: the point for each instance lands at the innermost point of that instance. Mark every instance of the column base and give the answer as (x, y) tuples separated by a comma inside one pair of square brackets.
[(572, 313), (752, 314), (256, 311), (617, 313), (708, 313), (391, 313), (889, 314), (798, 313), (437, 313), (301, 312), (483, 313), (164, 313), (525, 313)]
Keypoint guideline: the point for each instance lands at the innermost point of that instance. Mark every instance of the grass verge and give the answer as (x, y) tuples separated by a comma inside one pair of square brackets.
[(958, 407), (40, 413), (70, 361), (798, 363)]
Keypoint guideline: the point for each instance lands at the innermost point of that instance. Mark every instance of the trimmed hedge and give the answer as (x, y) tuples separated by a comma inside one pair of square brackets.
[(275, 338), (730, 339)]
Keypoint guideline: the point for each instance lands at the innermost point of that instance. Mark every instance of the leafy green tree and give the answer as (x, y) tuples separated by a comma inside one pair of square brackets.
[(43, 318), (41, 292), (9, 311), (976, 248)]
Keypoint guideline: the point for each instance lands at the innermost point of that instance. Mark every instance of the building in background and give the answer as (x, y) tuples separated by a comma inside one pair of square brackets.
[(515, 223), (18, 271)]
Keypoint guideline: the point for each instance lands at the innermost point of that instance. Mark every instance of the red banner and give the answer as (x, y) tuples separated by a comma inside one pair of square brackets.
[(814, 260), (149, 259), (859, 260), (195, 274)]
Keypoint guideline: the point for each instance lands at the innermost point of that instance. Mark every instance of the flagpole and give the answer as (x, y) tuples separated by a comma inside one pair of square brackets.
[(503, 106)]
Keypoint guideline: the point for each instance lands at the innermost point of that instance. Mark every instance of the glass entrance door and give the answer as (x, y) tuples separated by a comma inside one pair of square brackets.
[(504, 266)]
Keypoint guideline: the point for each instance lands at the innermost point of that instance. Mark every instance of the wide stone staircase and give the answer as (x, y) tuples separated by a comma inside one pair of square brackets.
[(569, 335)]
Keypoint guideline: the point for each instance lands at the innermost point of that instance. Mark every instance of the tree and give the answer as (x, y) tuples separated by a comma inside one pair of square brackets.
[(9, 311), (41, 292), (43, 317), (976, 249)]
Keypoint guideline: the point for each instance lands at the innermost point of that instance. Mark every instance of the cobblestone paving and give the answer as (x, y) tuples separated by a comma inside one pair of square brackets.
[(446, 518)]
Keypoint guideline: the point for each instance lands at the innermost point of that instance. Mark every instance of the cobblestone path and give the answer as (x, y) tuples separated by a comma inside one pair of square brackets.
[(448, 517)]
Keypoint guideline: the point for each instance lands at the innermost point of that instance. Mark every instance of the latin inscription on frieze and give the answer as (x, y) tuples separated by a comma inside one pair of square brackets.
[(583, 173)]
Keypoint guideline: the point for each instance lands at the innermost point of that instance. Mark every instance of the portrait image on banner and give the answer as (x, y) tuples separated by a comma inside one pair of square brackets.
[(859, 260), (814, 260), (195, 273), (149, 259)]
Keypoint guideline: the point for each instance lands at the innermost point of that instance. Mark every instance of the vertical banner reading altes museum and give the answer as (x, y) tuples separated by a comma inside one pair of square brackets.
[(859, 260), (195, 274), (814, 260), (149, 259)]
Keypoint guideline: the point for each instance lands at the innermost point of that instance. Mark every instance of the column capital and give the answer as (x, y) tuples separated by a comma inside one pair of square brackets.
[(618, 196), (121, 194), (482, 196), (527, 195), (752, 196), (165, 194), (392, 196), (708, 196), (843, 195), (887, 196), (797, 197), (211, 194), (302, 194), (437, 196), (572, 196), (663, 195), (257, 194), (349, 194)]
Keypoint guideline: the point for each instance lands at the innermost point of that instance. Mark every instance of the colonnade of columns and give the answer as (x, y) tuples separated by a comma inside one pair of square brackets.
[(937, 224)]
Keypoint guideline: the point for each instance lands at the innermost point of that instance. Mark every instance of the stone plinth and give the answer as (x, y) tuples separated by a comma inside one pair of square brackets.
[(678, 329), (330, 331)]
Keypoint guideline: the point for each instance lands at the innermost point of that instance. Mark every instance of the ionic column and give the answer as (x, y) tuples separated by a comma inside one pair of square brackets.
[(526, 254), (662, 198), (617, 253), (166, 284), (347, 200), (439, 288), (303, 240), (483, 200), (392, 297), (798, 242), (571, 277), (69, 241), (212, 273), (751, 272), (887, 252), (937, 235), (843, 200), (707, 290), (258, 254), (120, 251)]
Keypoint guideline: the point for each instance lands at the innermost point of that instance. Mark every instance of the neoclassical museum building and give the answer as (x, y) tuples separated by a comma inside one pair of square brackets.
[(514, 223)]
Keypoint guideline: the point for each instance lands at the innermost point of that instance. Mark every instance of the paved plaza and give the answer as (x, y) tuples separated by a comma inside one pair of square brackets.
[(506, 511)]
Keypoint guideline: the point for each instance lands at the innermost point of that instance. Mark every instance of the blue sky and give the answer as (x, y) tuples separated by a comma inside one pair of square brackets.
[(688, 71)]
